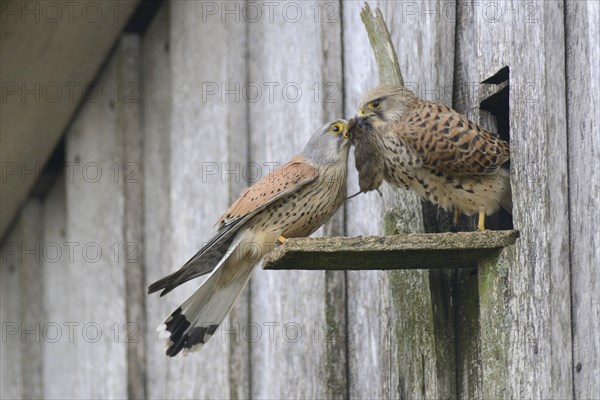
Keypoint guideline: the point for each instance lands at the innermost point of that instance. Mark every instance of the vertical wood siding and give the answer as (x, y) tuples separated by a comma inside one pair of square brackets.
[(218, 99), (58, 382), (583, 129), (538, 313), (95, 275), (299, 54), (379, 365), (187, 136)]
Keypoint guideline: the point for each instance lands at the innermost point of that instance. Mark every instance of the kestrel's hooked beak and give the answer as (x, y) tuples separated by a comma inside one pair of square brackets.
[(348, 128), (357, 125)]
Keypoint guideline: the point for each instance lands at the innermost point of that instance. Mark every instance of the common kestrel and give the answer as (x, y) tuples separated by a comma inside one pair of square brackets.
[(430, 148), (292, 201)]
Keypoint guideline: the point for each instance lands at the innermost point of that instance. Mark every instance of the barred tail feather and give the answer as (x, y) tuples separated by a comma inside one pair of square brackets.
[(198, 318), (200, 264)]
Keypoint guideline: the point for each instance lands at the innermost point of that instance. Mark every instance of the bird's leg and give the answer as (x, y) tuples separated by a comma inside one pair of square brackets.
[(281, 239), (481, 223)]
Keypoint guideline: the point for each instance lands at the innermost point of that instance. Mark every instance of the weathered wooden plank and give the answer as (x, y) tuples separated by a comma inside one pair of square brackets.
[(432, 79), (529, 38), (95, 274), (157, 190), (494, 325), (465, 296), (129, 127), (308, 331), (32, 306), (197, 66), (335, 281), (400, 360), (372, 346), (11, 356), (22, 310), (191, 134), (583, 91), (77, 38), (382, 46), (238, 155), (426, 250), (555, 308), (58, 383)]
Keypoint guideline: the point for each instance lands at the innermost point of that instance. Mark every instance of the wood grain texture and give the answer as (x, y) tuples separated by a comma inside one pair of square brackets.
[(238, 147), (583, 91), (466, 294), (237, 122), (539, 333), (77, 39), (157, 190), (129, 126), (494, 325), (412, 251), (308, 331), (189, 134), (59, 383), (522, 325), (467, 330), (32, 305), (95, 274), (23, 308), (335, 281), (414, 366), (11, 355), (382, 46)]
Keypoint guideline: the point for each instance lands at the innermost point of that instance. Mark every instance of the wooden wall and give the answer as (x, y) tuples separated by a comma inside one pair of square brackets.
[(206, 98), (583, 132)]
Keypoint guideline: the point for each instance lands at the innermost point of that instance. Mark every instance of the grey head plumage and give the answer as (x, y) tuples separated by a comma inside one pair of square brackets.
[(329, 144)]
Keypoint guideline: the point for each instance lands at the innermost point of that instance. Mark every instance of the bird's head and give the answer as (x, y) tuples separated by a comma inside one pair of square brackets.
[(329, 144), (378, 107)]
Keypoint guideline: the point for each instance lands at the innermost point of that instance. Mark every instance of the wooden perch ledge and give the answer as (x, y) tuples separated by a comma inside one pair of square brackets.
[(411, 251)]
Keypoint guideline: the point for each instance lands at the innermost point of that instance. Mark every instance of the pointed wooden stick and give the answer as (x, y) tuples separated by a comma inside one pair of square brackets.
[(383, 48)]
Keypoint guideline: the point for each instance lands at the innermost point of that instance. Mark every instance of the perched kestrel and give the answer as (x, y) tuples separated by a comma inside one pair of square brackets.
[(430, 148), (292, 201)]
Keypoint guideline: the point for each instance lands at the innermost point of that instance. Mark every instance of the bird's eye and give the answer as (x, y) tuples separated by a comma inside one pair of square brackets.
[(336, 128), (374, 105)]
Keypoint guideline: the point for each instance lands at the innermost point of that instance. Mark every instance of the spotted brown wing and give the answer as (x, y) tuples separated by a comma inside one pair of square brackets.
[(447, 141), (282, 181)]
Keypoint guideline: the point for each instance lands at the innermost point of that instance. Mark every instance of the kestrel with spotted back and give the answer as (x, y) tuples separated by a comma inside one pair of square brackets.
[(292, 201), (432, 149)]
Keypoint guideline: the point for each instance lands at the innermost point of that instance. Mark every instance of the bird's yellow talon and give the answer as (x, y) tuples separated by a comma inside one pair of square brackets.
[(456, 215), (281, 239), (481, 223)]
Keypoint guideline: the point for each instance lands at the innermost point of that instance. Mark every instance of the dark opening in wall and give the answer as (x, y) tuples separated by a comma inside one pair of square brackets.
[(495, 105)]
